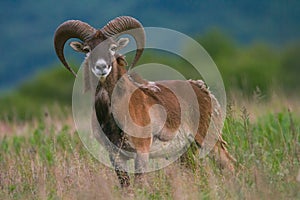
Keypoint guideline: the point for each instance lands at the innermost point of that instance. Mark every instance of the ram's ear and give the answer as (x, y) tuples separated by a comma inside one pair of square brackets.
[(77, 46), (80, 47), (122, 61), (122, 42)]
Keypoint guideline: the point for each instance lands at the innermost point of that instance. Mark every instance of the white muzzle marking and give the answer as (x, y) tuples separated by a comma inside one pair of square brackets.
[(101, 70)]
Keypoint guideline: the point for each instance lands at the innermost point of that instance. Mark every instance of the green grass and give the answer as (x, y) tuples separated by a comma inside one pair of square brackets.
[(45, 159)]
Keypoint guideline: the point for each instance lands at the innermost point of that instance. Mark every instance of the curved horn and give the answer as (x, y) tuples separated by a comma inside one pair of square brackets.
[(67, 30), (126, 23)]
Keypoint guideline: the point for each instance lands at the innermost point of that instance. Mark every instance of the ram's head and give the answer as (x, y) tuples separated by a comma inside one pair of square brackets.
[(90, 37)]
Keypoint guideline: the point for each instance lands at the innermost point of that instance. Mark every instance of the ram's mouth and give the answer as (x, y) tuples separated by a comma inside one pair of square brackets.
[(101, 74)]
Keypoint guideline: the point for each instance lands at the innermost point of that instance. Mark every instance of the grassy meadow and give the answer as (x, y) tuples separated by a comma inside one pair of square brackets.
[(44, 159)]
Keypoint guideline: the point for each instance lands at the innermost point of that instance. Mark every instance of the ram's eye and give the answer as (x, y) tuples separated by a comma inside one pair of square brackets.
[(86, 49), (113, 48)]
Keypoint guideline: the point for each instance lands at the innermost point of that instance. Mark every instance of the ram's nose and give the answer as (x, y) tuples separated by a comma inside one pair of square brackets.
[(101, 66)]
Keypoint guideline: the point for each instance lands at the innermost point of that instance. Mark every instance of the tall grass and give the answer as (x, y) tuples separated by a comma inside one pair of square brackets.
[(45, 159)]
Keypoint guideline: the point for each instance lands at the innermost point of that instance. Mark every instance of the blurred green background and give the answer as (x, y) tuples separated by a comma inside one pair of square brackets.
[(255, 45)]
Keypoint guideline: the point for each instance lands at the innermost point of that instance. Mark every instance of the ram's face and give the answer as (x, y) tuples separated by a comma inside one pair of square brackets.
[(101, 55)]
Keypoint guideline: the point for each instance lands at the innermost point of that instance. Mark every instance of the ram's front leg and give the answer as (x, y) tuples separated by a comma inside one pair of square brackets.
[(141, 164), (142, 146), (119, 162)]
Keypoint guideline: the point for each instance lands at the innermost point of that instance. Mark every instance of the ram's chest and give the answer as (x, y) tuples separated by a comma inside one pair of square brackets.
[(105, 117), (103, 107)]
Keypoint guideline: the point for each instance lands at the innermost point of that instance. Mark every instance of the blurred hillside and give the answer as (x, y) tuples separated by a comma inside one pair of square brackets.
[(28, 27), (253, 70)]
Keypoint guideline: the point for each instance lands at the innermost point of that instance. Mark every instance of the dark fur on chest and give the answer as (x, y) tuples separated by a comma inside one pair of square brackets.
[(106, 120)]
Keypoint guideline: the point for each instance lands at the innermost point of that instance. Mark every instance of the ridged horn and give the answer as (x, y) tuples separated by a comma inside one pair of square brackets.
[(126, 23), (67, 30)]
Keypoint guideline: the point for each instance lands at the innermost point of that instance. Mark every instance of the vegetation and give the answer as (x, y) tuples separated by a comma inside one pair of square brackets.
[(47, 91), (256, 66), (45, 159)]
